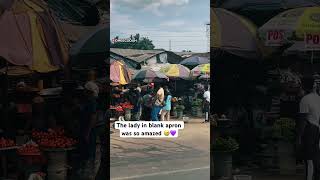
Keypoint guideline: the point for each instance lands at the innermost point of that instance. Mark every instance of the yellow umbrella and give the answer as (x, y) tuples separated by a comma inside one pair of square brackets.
[(235, 34), (201, 69), (176, 71), (41, 61)]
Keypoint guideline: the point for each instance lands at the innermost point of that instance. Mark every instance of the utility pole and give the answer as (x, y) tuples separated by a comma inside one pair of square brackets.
[(208, 36), (169, 45)]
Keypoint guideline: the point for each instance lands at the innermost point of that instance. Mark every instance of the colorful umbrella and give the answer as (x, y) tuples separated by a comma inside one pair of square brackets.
[(291, 25), (176, 71), (148, 75), (194, 61), (200, 70), (93, 42), (299, 48), (92, 49), (205, 76), (119, 73), (31, 37), (244, 42)]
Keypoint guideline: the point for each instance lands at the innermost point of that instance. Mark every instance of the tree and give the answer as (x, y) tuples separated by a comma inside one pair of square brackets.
[(141, 43)]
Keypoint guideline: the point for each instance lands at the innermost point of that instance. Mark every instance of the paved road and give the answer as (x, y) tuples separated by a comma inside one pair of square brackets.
[(185, 157), (202, 173)]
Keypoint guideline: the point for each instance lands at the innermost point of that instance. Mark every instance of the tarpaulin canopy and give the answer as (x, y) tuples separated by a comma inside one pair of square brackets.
[(30, 36)]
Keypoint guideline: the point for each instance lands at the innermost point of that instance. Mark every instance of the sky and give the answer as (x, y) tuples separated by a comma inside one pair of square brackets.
[(183, 22)]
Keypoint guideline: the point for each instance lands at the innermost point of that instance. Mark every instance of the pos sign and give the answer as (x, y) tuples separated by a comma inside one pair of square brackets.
[(312, 41), (275, 38)]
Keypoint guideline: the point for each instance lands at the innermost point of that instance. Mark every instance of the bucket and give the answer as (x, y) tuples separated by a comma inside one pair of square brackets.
[(57, 165), (57, 174), (127, 115), (287, 161), (179, 114), (222, 164), (242, 177)]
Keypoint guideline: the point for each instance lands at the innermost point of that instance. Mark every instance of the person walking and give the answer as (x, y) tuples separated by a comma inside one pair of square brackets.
[(206, 104), (165, 113), (137, 106), (147, 105), (157, 105), (308, 130)]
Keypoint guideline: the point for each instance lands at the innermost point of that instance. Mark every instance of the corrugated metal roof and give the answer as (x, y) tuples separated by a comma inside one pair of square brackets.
[(136, 54)]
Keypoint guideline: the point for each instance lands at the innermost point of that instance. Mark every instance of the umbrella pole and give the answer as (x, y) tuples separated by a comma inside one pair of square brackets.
[(5, 93), (312, 61)]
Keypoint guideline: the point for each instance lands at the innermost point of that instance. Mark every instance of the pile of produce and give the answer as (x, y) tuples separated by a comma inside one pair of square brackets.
[(225, 145), (29, 149), (53, 139), (122, 106), (284, 129), (59, 132), (6, 143), (117, 108), (31, 154), (126, 105)]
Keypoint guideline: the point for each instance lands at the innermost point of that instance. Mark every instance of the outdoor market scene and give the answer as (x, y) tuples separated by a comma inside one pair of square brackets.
[(264, 126), (177, 90), (133, 90), (48, 92)]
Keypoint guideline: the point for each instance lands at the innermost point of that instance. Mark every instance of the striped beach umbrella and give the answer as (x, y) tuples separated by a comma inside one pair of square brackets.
[(176, 71), (119, 73), (148, 75), (202, 69)]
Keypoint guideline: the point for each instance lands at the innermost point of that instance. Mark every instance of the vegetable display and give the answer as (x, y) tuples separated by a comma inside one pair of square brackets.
[(6, 143), (53, 139), (284, 129), (196, 102), (29, 149), (122, 106), (225, 145)]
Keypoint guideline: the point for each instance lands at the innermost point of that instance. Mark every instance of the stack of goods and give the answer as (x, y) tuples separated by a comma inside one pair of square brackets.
[(53, 139), (6, 143), (122, 106), (31, 154)]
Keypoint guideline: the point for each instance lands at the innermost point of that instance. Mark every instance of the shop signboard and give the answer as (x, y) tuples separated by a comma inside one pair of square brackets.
[(275, 37), (312, 41)]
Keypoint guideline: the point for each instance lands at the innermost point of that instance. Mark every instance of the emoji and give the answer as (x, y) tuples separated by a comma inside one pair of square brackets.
[(173, 132), (166, 132)]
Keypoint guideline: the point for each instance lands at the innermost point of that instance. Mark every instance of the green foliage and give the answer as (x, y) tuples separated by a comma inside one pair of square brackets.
[(225, 145), (179, 107), (284, 129), (197, 102), (143, 43)]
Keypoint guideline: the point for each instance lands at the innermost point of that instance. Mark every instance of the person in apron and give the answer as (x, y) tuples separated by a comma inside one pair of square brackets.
[(308, 130)]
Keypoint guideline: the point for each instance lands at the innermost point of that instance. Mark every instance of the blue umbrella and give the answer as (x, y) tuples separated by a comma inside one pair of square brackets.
[(195, 60)]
